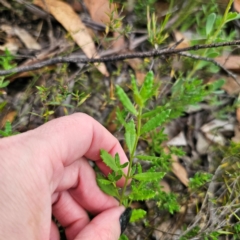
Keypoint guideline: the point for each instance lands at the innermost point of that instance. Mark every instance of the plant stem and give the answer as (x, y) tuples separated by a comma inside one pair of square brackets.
[(128, 177)]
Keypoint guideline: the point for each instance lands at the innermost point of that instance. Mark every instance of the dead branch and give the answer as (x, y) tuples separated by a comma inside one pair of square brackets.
[(147, 54)]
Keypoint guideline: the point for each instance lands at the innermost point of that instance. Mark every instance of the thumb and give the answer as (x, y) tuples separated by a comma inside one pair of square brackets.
[(107, 225)]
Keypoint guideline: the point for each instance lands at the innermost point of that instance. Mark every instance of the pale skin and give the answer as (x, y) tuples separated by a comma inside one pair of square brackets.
[(45, 171)]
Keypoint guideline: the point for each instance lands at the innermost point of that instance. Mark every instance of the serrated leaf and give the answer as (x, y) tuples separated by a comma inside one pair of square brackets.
[(210, 22), (149, 176), (137, 214), (120, 117), (147, 87), (108, 189), (130, 135), (125, 100), (108, 160), (142, 195), (152, 113), (155, 121), (136, 95)]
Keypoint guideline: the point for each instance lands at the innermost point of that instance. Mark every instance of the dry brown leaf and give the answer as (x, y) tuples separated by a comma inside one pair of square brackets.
[(23, 35), (8, 117), (165, 186), (230, 62), (178, 36), (231, 86), (100, 11), (12, 45), (236, 137), (238, 114), (179, 171), (73, 24)]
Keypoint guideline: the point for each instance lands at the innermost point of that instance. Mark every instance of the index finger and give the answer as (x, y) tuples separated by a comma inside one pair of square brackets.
[(77, 135)]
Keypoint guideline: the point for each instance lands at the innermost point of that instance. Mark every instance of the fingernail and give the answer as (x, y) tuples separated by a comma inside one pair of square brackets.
[(124, 219)]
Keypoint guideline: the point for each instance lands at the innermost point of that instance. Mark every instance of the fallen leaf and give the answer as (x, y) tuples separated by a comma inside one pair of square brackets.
[(64, 14), (9, 117), (179, 140), (231, 85), (23, 35), (178, 170), (100, 12), (229, 62), (12, 45)]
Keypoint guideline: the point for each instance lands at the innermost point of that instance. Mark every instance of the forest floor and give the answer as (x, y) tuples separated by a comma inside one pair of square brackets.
[(208, 132)]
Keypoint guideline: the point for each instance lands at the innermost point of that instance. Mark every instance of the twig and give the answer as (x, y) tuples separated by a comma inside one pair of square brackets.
[(210, 60), (154, 53)]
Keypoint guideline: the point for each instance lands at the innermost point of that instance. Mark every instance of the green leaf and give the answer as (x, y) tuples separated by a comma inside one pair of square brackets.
[(152, 113), (217, 84), (212, 54), (8, 127), (120, 116), (124, 165), (147, 87), (125, 100), (136, 95), (133, 170), (142, 195), (139, 168), (108, 189), (130, 135), (210, 22), (123, 237), (108, 160), (104, 182), (149, 176), (155, 121), (4, 84), (137, 214), (117, 160), (232, 16)]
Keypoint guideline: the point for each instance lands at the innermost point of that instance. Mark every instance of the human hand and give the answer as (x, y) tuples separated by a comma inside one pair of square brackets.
[(45, 171)]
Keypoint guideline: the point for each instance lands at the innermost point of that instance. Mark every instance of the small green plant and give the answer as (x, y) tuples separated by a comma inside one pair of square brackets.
[(142, 122), (55, 96), (7, 132), (199, 180), (6, 60)]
